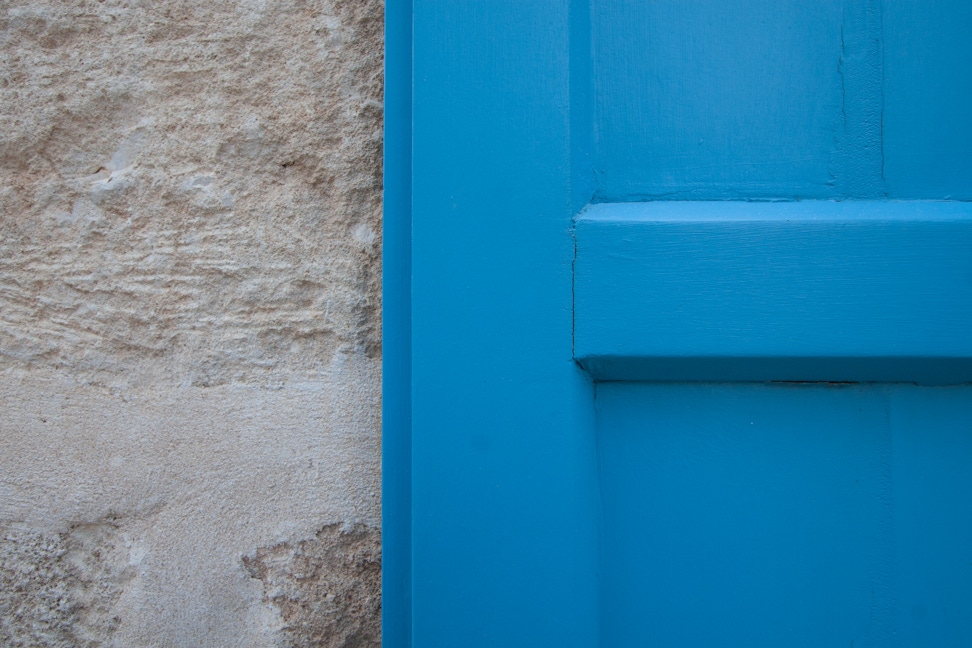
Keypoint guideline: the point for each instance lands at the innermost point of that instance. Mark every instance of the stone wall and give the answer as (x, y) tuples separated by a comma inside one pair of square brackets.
[(190, 203)]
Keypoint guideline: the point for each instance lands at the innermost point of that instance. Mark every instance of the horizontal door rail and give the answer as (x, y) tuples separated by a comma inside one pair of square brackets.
[(793, 291)]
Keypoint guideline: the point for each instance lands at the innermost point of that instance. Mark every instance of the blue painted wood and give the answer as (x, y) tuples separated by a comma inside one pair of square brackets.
[(396, 482), (764, 99), (852, 291), (744, 99), (503, 468), (796, 515), (502, 497), (927, 131), (931, 455)]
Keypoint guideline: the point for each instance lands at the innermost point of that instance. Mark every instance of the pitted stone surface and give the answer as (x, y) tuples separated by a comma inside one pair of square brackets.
[(59, 589), (326, 588), (189, 188), (189, 312)]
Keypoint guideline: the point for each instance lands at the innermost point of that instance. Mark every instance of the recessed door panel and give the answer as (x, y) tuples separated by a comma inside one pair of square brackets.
[(753, 98), (931, 445), (784, 514), (927, 132), (782, 100)]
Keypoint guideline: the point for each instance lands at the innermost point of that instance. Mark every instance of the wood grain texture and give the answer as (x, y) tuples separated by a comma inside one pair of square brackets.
[(794, 100), (927, 95), (503, 491), (862, 291), (396, 432), (696, 100), (796, 515), (523, 112)]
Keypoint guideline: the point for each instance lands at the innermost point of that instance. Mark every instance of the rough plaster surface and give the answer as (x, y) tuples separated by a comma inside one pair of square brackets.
[(189, 322)]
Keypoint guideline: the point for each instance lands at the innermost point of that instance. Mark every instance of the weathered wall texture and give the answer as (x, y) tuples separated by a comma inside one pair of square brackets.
[(189, 322)]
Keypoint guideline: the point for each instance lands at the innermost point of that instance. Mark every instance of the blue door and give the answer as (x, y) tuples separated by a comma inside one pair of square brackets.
[(678, 323)]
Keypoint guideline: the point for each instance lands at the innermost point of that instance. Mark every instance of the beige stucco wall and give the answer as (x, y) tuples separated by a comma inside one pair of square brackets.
[(190, 322)]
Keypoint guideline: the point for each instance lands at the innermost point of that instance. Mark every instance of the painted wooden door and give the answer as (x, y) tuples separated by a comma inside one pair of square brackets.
[(678, 323)]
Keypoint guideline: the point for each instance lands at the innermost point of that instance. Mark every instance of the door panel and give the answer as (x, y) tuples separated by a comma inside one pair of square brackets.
[(927, 131), (768, 99), (932, 454), (720, 512), (770, 514), (752, 99), (744, 515), (784, 514)]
